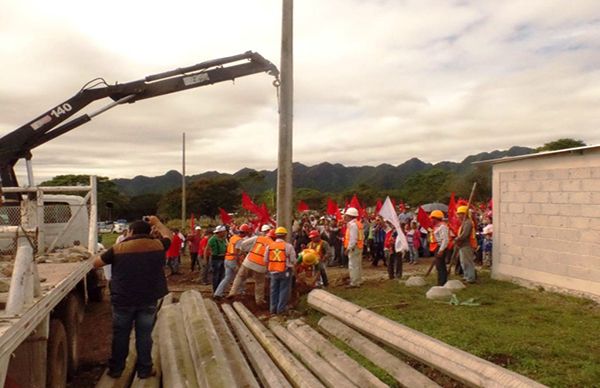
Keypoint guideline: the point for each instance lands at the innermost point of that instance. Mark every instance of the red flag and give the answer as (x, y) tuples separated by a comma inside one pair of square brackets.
[(225, 218), (302, 206), (332, 207), (192, 222), (248, 204), (423, 218), (453, 221), (356, 204), (265, 217), (378, 206), (491, 204)]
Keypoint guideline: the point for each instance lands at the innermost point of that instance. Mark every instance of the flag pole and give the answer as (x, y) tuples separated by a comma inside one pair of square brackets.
[(183, 207)]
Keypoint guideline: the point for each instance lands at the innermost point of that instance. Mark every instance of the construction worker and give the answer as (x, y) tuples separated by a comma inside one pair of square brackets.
[(438, 245), (466, 244), (308, 259), (232, 259), (279, 258), (353, 246), (323, 251), (254, 264)]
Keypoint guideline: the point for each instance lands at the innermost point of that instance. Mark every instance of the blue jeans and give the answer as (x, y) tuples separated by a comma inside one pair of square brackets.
[(218, 270), (230, 266), (280, 291), (123, 320)]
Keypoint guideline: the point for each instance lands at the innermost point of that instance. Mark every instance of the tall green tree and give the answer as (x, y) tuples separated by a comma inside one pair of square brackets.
[(432, 185), (561, 144), (204, 197)]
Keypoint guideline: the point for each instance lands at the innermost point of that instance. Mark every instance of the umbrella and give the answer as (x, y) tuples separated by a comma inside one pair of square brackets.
[(435, 206)]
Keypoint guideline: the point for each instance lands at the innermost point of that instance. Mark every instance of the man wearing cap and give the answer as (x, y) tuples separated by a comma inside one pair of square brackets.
[(466, 242), (194, 244), (232, 259), (279, 258), (438, 244), (254, 264), (353, 245), (323, 251), (218, 248)]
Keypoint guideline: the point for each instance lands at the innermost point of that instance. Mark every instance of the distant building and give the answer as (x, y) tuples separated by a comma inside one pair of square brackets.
[(547, 220)]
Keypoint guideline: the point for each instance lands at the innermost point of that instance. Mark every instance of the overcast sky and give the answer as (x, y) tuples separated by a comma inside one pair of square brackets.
[(375, 81)]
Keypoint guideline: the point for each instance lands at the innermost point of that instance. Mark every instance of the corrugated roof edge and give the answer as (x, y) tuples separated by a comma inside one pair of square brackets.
[(539, 155)]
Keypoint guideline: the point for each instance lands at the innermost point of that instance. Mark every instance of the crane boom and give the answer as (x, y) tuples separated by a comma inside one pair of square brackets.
[(60, 119)]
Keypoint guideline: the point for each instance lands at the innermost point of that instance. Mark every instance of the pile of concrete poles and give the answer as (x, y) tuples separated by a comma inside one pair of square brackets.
[(195, 346)]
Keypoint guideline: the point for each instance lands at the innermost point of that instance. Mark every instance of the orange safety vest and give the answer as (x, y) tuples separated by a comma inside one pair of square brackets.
[(230, 253), (277, 257), (318, 247), (257, 253), (433, 243), (361, 236)]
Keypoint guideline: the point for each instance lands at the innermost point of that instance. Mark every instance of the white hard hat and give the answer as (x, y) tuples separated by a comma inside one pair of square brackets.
[(220, 228), (488, 229), (265, 228), (197, 228), (351, 211)]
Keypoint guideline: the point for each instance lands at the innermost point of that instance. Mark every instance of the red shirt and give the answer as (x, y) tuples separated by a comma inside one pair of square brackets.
[(202, 246), (175, 248)]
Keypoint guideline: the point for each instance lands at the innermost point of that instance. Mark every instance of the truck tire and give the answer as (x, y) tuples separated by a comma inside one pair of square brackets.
[(57, 358), (70, 313)]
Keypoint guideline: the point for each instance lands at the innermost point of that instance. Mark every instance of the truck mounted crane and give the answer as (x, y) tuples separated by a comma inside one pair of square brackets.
[(55, 122)]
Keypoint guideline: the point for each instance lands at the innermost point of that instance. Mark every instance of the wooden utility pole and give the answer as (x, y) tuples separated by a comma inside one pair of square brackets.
[(286, 113), (183, 209)]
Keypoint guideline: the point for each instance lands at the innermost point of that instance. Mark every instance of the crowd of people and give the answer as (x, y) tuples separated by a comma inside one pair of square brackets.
[(228, 255)]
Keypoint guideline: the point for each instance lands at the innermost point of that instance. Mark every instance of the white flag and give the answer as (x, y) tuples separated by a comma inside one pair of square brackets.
[(389, 214)]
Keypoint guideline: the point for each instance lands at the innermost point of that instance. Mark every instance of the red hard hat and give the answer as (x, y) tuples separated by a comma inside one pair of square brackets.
[(244, 228), (271, 234), (313, 234)]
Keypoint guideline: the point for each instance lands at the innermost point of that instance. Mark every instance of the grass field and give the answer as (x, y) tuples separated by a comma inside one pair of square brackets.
[(108, 239), (548, 337)]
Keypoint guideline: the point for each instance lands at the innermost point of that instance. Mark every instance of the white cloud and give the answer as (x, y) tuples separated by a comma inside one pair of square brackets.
[(375, 81)]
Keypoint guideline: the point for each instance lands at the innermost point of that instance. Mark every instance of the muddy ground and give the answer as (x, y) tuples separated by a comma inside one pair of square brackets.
[(96, 327)]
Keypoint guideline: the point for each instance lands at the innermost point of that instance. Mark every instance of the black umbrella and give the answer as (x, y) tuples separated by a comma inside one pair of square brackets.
[(429, 207)]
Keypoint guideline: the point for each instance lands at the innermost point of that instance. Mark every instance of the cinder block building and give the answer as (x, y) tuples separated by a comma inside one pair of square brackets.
[(547, 220)]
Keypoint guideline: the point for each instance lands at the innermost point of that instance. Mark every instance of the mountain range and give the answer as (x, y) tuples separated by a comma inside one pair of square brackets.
[(324, 177)]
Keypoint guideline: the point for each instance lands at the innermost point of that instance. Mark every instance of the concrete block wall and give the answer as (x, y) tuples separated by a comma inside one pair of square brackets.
[(547, 221)]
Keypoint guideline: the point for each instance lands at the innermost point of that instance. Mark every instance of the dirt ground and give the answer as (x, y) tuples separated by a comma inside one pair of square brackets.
[(96, 327)]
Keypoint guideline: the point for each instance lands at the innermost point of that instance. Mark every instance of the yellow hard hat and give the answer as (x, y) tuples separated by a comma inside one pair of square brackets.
[(309, 257), (281, 230), (462, 210), (437, 214)]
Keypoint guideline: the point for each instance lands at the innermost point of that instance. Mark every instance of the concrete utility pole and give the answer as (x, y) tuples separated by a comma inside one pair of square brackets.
[(286, 113), (183, 209)]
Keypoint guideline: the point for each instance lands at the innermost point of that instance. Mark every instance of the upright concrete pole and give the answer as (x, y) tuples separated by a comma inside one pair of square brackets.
[(286, 113), (183, 209)]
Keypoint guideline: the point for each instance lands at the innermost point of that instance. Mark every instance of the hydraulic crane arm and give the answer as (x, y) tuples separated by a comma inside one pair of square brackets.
[(19, 143)]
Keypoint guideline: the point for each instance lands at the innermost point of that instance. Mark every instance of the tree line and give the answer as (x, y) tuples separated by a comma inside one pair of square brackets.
[(206, 196)]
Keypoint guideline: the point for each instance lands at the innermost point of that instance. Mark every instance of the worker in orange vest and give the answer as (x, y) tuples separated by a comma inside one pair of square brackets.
[(279, 258), (254, 264), (438, 245), (232, 259), (353, 246)]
